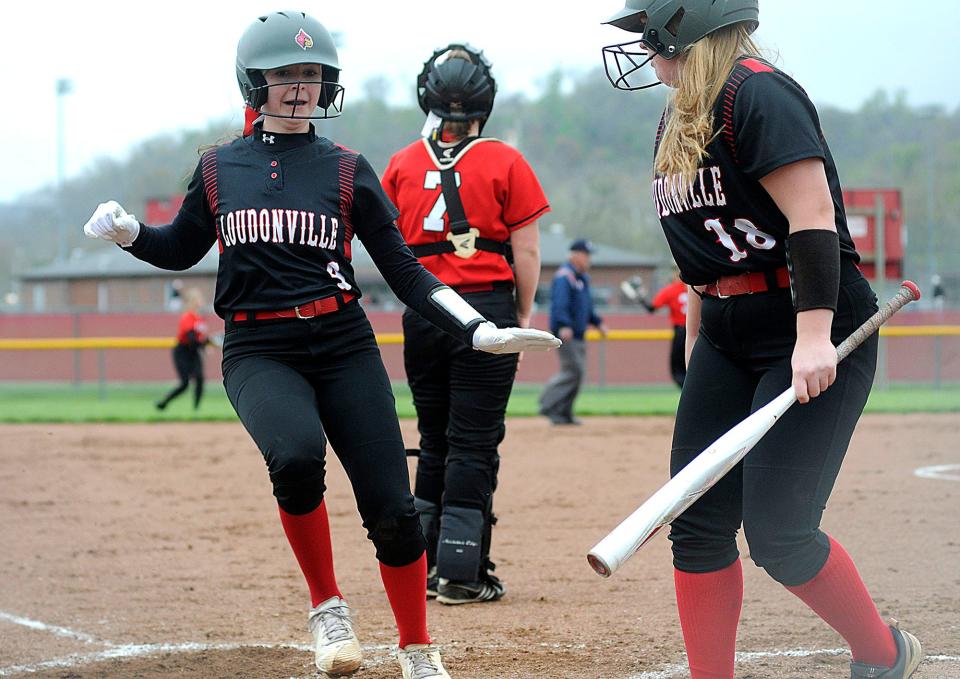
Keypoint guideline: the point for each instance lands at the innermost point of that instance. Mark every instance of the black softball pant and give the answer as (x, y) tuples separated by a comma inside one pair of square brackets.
[(740, 362), (295, 383), (460, 395), (188, 362), (678, 354)]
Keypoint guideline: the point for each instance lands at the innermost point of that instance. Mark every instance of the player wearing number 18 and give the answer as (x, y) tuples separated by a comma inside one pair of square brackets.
[(300, 360), (750, 202)]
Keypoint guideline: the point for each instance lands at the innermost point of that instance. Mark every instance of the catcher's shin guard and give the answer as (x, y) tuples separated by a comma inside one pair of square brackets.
[(430, 524), (461, 536)]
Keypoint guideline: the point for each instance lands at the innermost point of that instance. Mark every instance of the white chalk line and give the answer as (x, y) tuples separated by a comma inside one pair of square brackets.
[(129, 651), (52, 629), (941, 472)]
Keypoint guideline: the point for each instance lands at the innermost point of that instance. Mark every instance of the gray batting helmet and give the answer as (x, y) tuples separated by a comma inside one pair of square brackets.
[(667, 28), (283, 39), (670, 26)]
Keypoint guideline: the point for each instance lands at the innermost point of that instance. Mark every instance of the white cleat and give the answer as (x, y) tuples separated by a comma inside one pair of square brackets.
[(421, 661), (336, 646)]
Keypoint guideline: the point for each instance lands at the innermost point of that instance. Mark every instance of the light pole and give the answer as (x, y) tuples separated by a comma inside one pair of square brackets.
[(64, 87)]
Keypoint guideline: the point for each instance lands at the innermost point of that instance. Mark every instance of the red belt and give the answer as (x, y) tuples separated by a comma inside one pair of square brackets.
[(483, 287), (317, 307), (748, 283)]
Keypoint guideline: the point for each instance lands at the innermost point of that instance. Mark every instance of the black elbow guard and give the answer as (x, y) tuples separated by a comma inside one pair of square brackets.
[(813, 259)]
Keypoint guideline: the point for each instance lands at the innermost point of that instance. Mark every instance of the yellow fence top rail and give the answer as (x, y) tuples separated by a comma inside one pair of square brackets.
[(52, 343)]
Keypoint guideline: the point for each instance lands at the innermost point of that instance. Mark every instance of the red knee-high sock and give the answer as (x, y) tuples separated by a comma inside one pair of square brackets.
[(309, 536), (838, 595), (709, 605), (407, 592)]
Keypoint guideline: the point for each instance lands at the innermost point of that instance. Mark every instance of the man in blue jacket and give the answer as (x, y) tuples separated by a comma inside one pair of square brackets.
[(571, 311)]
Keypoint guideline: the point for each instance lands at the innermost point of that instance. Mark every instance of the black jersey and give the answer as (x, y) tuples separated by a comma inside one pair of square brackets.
[(283, 209), (726, 223)]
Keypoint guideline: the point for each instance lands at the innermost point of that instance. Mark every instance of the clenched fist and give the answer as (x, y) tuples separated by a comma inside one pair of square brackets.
[(111, 222)]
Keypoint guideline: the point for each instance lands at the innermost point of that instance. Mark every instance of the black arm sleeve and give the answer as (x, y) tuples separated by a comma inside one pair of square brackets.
[(775, 124), (374, 219), (183, 243)]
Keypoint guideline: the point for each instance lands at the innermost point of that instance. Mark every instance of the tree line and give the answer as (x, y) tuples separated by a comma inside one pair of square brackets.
[(590, 145)]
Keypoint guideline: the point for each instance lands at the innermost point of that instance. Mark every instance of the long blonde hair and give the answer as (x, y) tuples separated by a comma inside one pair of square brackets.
[(700, 79)]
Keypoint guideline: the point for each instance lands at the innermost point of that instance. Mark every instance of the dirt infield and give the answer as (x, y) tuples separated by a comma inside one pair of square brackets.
[(154, 551)]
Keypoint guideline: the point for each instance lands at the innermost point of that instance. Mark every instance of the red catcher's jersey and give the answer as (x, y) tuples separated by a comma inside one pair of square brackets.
[(498, 189), (191, 320), (673, 296)]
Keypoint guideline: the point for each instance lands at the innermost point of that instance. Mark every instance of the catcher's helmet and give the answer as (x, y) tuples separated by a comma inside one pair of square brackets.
[(667, 28), (284, 39), (457, 88)]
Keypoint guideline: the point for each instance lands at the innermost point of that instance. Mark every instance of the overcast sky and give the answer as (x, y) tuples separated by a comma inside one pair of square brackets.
[(142, 68)]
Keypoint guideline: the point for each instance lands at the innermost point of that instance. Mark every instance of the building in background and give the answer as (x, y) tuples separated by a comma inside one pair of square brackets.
[(112, 281)]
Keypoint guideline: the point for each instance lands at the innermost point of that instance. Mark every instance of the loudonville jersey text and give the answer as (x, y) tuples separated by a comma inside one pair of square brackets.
[(292, 227), (674, 195)]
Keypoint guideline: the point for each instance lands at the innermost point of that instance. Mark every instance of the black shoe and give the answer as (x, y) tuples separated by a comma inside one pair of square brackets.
[(564, 421), (432, 583), (160, 405), (909, 657), (454, 592)]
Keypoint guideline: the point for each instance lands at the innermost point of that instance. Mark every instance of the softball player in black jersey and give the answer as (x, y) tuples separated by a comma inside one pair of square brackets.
[(300, 361), (749, 199)]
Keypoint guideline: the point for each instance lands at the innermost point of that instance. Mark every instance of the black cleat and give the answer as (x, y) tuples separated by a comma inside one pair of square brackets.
[(489, 588), (432, 583), (909, 657)]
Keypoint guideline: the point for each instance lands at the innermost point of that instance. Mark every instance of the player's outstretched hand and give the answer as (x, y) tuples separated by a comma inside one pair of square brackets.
[(111, 222), (488, 337)]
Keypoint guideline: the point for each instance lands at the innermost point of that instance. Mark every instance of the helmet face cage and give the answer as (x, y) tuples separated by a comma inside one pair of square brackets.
[(473, 84), (624, 62), (328, 105), (284, 39)]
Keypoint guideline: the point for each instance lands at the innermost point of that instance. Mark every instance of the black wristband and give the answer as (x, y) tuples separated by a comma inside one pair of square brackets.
[(813, 259)]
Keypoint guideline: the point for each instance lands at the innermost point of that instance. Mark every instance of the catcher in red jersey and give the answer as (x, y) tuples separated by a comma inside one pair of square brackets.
[(750, 202), (469, 207)]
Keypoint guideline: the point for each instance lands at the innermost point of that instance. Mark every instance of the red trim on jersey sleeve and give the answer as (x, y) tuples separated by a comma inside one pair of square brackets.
[(348, 170), (757, 66), (744, 69), (208, 169)]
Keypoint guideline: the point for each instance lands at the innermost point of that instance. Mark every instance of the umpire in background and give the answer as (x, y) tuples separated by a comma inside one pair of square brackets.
[(571, 311)]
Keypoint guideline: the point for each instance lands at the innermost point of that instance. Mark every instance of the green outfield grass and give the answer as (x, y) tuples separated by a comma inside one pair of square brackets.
[(134, 402)]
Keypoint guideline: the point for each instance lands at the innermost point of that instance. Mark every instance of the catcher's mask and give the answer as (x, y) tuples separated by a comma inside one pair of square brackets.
[(456, 84)]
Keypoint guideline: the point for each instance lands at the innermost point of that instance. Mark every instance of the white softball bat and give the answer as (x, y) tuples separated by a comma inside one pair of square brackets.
[(720, 457)]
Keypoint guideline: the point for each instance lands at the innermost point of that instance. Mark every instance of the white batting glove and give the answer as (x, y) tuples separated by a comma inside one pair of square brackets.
[(488, 337), (111, 222)]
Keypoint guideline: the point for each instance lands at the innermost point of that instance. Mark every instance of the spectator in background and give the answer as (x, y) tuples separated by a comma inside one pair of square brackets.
[(571, 311), (188, 353), (673, 296), (175, 298), (937, 292)]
